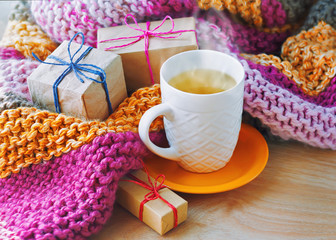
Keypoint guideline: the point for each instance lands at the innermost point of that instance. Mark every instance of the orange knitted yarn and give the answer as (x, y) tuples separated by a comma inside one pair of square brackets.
[(127, 116), (309, 58), (28, 135), (27, 37), (281, 29), (250, 10)]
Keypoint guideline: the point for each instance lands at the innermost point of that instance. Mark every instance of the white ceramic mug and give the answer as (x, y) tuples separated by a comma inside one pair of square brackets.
[(202, 129)]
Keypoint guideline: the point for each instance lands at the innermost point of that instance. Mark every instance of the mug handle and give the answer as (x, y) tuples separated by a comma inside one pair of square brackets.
[(145, 122)]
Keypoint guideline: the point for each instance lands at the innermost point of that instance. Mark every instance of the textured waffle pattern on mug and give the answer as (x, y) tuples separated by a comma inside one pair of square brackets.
[(28, 135), (309, 58), (62, 19), (256, 12), (70, 197)]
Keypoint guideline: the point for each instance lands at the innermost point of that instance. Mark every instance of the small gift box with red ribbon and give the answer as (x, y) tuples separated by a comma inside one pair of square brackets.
[(150, 201), (79, 81), (144, 47)]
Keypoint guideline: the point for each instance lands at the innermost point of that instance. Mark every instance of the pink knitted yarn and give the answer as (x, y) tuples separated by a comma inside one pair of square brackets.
[(247, 39), (288, 115), (282, 106), (327, 98), (13, 76), (62, 19), (271, 8), (70, 197), (9, 52), (260, 82)]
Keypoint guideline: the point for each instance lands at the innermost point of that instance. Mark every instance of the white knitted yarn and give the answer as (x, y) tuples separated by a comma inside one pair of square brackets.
[(6, 234), (61, 19), (13, 76)]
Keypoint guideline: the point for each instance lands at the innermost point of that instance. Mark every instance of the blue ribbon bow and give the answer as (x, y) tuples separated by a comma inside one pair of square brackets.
[(78, 69)]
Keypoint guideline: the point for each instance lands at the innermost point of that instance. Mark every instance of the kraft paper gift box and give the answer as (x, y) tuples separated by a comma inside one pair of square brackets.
[(86, 100), (134, 59), (156, 213)]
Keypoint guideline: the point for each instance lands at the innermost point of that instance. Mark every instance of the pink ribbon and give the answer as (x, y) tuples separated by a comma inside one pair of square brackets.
[(146, 34)]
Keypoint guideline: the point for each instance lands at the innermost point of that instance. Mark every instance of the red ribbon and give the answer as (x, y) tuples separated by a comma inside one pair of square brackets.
[(154, 187), (146, 34)]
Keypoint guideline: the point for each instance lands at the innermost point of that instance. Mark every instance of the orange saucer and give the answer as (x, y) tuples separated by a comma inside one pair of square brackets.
[(247, 162)]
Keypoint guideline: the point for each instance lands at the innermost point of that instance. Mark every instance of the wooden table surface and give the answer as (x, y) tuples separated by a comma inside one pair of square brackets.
[(293, 198)]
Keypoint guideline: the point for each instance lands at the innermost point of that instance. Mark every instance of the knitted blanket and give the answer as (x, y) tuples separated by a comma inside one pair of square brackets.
[(59, 174)]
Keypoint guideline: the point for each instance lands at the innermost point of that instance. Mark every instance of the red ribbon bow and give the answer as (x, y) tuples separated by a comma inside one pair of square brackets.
[(154, 187), (146, 34)]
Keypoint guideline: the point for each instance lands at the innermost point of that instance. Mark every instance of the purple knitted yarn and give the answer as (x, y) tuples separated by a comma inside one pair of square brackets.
[(282, 106), (247, 39), (327, 98), (70, 197), (62, 19), (174, 8), (13, 76), (272, 12), (10, 53), (288, 115)]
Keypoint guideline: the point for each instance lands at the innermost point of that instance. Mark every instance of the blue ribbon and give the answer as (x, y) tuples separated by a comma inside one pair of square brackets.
[(78, 69)]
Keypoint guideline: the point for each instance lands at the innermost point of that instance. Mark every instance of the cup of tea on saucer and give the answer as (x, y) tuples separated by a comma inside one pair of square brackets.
[(202, 102)]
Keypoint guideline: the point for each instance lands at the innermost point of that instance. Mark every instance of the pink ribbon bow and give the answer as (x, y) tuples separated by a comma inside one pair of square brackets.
[(146, 34)]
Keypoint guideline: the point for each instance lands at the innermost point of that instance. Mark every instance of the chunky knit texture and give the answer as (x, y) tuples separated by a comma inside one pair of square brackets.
[(59, 173), (24, 35), (301, 108), (308, 58), (21, 12), (295, 9), (75, 16), (249, 12), (273, 75), (246, 38), (324, 10), (13, 76), (62, 19), (27, 38), (72, 196), (256, 12), (262, 12), (288, 115), (9, 100), (9, 52), (29, 136)]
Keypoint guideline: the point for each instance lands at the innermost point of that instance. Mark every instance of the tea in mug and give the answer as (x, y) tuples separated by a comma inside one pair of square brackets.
[(203, 81)]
